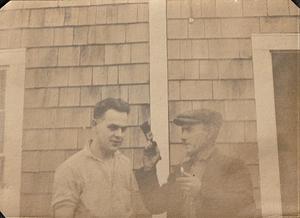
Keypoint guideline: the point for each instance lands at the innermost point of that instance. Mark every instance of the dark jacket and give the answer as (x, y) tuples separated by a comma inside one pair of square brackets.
[(226, 191)]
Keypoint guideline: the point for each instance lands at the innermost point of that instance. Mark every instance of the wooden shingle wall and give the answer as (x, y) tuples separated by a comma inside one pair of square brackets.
[(78, 52), (81, 51), (210, 66)]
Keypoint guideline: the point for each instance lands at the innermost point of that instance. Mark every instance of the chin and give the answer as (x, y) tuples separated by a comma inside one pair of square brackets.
[(189, 149), (190, 153), (115, 147)]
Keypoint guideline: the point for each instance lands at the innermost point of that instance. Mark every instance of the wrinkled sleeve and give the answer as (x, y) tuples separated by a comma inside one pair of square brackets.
[(157, 199), (139, 209), (66, 187)]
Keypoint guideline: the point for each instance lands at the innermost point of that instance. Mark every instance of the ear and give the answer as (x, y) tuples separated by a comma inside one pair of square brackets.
[(93, 123), (210, 132)]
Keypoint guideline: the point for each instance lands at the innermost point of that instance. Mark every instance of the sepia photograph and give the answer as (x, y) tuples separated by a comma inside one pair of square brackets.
[(150, 109)]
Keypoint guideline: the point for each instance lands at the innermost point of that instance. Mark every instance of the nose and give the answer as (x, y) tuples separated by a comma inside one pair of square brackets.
[(119, 133), (183, 137)]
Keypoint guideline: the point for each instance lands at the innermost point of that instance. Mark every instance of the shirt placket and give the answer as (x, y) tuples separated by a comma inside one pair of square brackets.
[(111, 173)]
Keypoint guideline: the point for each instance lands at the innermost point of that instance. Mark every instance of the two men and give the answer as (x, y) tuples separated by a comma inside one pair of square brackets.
[(98, 181), (207, 184)]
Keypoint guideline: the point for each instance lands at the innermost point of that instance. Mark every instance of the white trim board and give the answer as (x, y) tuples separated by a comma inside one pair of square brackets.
[(159, 85), (262, 45), (14, 59)]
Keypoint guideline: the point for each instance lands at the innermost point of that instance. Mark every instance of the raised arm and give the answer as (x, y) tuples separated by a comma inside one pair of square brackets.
[(157, 199)]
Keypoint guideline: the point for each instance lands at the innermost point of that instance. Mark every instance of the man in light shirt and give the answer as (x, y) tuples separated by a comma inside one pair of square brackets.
[(98, 181)]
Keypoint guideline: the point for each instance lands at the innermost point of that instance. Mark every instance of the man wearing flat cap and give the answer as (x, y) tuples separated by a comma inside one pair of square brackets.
[(206, 184)]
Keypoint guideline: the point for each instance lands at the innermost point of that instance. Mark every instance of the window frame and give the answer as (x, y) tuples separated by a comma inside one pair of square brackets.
[(10, 192), (262, 45)]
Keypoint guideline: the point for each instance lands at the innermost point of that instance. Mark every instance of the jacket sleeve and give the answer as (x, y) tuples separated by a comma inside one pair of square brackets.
[(239, 195), (157, 199)]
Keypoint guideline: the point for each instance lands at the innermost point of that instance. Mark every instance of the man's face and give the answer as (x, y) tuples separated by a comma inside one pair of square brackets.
[(195, 138), (110, 130)]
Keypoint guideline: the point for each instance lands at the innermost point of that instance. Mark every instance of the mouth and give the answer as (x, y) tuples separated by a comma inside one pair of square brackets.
[(116, 143), (186, 144)]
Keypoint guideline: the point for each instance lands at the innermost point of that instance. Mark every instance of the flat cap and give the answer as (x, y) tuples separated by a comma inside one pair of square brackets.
[(204, 116)]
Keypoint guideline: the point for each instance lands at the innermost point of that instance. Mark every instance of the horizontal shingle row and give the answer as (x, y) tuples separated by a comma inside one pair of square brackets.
[(88, 55), (230, 8), (84, 96), (209, 48), (24, 4), (218, 89), (210, 69), (73, 16), (72, 36), (230, 27)]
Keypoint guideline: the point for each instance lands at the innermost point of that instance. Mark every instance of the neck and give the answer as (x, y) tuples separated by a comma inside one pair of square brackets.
[(206, 152), (100, 153)]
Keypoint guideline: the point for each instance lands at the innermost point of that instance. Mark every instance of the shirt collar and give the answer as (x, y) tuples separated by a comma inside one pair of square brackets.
[(206, 154), (88, 152)]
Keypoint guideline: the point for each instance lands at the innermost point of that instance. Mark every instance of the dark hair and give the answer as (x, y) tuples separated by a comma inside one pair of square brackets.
[(110, 103)]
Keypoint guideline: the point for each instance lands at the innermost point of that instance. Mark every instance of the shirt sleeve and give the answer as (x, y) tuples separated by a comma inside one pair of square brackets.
[(66, 187)]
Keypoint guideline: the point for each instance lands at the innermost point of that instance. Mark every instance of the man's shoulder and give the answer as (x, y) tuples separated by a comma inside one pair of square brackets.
[(72, 162), (228, 164)]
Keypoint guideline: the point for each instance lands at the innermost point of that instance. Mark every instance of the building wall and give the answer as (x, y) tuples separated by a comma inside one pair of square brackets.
[(210, 66), (78, 52)]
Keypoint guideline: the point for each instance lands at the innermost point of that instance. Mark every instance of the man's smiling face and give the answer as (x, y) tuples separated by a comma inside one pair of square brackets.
[(109, 130)]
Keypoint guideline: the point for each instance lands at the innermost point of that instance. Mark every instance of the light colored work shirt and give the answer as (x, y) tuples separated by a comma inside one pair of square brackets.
[(95, 188)]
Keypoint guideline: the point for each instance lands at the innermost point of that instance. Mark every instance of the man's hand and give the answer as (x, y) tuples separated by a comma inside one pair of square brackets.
[(189, 184), (151, 156)]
